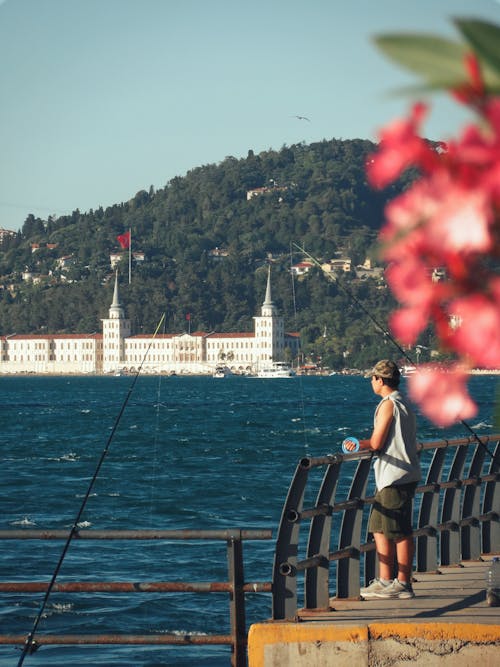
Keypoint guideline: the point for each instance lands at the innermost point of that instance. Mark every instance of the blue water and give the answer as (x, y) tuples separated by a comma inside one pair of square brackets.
[(188, 452)]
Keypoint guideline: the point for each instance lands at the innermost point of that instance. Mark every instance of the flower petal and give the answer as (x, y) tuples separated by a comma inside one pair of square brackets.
[(441, 396)]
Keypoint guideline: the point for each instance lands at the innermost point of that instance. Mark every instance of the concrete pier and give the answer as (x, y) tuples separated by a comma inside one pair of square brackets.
[(447, 623)]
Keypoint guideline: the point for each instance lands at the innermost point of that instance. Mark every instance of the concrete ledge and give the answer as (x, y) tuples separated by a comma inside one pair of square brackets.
[(308, 644), (311, 644), (315, 644)]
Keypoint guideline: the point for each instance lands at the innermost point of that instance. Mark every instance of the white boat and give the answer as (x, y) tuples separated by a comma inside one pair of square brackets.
[(277, 369), (222, 372), (408, 370)]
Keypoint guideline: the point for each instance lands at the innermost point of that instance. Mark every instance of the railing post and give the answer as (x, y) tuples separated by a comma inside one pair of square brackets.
[(237, 599), (491, 503), (427, 545), (317, 579), (287, 546), (450, 512), (348, 570), (471, 533)]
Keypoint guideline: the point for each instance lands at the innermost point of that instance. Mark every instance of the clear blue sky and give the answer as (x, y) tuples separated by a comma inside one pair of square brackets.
[(103, 98)]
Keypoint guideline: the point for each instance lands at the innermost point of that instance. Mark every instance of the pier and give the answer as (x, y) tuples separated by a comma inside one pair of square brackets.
[(448, 622)]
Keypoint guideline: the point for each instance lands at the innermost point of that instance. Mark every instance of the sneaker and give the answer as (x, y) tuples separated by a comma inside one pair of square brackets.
[(376, 586), (396, 590)]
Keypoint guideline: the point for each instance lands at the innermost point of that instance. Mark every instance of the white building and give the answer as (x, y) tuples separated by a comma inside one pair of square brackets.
[(59, 354), (117, 350)]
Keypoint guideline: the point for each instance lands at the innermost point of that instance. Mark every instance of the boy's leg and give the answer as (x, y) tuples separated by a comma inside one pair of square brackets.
[(386, 552), (404, 550)]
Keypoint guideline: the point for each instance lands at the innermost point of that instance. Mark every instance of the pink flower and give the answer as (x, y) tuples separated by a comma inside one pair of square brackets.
[(461, 219), (449, 218), (405, 214), (472, 91), (400, 146), (410, 281), (439, 216), (442, 396), (407, 323), (477, 336)]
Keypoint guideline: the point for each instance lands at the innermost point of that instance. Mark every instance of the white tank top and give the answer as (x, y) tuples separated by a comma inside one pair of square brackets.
[(397, 462)]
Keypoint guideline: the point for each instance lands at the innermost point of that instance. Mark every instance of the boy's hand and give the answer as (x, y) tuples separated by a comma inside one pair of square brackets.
[(350, 445)]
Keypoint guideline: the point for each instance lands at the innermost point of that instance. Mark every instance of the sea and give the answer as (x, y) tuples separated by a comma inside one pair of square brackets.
[(179, 453)]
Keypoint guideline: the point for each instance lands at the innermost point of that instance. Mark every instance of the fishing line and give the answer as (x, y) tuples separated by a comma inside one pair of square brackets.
[(154, 470), (30, 646), (155, 442), (384, 331), (302, 401)]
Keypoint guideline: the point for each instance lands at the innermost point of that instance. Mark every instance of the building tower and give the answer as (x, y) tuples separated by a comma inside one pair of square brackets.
[(115, 328), (269, 331)]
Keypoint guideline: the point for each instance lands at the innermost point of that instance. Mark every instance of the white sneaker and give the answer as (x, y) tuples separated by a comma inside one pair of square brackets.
[(396, 590), (375, 587)]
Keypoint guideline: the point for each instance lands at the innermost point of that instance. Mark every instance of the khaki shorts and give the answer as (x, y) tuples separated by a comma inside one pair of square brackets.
[(392, 511)]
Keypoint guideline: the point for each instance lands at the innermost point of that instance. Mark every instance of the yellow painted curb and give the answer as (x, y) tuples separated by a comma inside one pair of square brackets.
[(471, 632), (264, 634)]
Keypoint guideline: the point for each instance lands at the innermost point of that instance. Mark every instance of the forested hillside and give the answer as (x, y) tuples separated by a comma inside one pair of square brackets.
[(314, 196)]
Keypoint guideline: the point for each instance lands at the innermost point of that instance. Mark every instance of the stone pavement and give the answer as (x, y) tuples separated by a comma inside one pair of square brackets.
[(456, 593)]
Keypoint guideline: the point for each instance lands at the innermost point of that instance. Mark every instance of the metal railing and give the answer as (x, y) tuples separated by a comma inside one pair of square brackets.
[(235, 587), (458, 519)]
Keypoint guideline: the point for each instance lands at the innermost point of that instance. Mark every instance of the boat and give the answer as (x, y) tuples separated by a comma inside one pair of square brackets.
[(277, 369), (222, 372)]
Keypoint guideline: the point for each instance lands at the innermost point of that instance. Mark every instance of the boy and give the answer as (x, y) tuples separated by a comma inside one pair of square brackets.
[(397, 471)]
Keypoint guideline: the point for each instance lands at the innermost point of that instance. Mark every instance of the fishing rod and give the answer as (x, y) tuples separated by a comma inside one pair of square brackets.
[(384, 331), (30, 645)]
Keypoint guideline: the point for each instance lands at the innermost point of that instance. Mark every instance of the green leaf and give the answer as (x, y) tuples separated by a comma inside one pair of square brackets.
[(484, 39), (438, 60), (441, 62)]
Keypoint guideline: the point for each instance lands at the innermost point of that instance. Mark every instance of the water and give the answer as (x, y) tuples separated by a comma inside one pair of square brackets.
[(198, 453)]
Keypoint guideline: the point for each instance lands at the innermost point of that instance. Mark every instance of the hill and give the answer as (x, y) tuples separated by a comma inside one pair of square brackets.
[(205, 240)]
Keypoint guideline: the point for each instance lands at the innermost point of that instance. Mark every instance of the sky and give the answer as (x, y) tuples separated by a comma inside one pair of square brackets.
[(102, 98)]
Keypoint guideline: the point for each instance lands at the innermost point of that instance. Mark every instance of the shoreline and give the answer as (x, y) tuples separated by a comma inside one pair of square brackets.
[(324, 373)]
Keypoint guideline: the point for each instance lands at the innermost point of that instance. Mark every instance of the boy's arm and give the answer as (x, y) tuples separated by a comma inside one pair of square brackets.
[(383, 421)]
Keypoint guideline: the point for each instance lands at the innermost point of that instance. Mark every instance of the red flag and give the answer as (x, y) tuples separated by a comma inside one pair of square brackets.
[(124, 240), (188, 316)]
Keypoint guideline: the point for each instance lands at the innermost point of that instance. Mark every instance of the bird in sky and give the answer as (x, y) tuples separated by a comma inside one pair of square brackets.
[(303, 118)]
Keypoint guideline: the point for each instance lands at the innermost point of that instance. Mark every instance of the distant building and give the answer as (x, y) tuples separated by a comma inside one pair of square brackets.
[(116, 257), (264, 190), (5, 234), (218, 253), (301, 268), (65, 262), (438, 275), (341, 264), (117, 350)]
